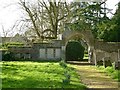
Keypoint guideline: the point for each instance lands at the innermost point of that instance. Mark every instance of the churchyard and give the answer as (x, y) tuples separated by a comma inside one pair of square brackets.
[(62, 45)]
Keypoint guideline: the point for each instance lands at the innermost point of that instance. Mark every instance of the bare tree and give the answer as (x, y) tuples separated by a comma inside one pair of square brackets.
[(32, 15), (4, 32), (46, 17), (7, 32)]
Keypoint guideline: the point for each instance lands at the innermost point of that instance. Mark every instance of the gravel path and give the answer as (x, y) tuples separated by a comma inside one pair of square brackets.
[(95, 79)]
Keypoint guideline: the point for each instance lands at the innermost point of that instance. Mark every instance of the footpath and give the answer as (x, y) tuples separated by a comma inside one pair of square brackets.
[(93, 78)]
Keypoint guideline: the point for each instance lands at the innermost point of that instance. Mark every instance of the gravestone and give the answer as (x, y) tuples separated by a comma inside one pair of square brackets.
[(100, 63), (107, 62), (117, 65)]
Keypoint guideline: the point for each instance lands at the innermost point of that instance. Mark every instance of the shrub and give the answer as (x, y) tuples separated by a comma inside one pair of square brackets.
[(67, 75), (63, 64), (74, 51), (8, 56), (67, 78)]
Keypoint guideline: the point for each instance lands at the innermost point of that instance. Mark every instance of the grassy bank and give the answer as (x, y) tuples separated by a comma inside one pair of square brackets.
[(37, 75), (115, 74)]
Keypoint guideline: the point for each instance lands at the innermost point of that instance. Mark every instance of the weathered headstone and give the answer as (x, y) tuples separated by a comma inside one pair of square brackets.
[(117, 65), (100, 63), (107, 62)]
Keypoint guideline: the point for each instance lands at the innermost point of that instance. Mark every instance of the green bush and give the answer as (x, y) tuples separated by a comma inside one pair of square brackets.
[(8, 56), (67, 77), (74, 51), (62, 64)]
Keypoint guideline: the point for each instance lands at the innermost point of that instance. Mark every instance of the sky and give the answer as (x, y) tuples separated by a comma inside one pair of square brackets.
[(10, 12)]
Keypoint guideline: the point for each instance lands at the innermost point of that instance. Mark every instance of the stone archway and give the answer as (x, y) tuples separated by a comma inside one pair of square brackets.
[(84, 35)]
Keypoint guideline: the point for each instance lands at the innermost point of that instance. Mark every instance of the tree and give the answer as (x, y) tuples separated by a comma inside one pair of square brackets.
[(88, 14), (51, 13), (78, 19), (116, 21), (109, 30), (7, 32), (32, 15)]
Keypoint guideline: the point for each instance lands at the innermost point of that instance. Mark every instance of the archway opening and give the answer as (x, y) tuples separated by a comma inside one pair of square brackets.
[(76, 50)]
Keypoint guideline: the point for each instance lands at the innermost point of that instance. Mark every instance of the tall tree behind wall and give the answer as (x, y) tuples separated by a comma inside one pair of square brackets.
[(109, 30), (46, 16), (88, 14)]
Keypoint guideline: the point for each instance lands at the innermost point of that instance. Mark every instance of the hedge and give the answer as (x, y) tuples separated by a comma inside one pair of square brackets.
[(74, 51)]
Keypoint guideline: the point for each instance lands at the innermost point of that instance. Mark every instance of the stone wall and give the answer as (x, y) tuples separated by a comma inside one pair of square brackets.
[(107, 46), (21, 52), (47, 51), (39, 51), (97, 50), (106, 51)]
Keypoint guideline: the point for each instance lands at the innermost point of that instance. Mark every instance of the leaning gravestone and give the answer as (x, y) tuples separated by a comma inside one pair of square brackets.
[(107, 62), (117, 65), (100, 63)]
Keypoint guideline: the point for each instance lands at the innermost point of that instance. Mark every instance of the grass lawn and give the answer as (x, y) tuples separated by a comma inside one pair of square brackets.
[(17, 74)]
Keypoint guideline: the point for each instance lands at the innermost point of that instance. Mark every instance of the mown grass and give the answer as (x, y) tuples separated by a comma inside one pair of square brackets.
[(115, 74), (37, 75)]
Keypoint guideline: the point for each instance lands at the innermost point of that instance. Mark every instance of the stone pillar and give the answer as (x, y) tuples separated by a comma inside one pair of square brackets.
[(94, 59), (91, 58)]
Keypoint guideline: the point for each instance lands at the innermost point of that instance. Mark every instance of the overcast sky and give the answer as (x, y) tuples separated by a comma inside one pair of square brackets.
[(10, 13)]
